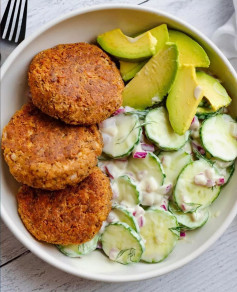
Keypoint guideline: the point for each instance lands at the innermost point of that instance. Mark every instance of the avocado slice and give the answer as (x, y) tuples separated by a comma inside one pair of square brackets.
[(154, 80), (161, 34), (128, 69), (183, 99), (213, 91), (190, 52), (126, 48)]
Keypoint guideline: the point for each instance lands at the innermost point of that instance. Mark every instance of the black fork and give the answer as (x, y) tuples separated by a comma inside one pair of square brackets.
[(14, 15)]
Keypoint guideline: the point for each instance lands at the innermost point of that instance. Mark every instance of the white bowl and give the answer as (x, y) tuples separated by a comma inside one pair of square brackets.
[(85, 25)]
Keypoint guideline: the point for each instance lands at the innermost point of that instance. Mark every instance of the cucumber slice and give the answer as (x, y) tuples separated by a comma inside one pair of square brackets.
[(121, 214), (187, 195), (77, 250), (189, 221), (173, 163), (202, 113), (120, 134), (217, 137), (160, 132), (126, 192), (122, 244), (145, 169), (160, 232)]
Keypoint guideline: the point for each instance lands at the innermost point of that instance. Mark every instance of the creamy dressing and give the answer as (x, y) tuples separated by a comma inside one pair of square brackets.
[(233, 130), (112, 217), (142, 174), (120, 133), (196, 216), (155, 99), (133, 40), (197, 91), (208, 178), (195, 127)]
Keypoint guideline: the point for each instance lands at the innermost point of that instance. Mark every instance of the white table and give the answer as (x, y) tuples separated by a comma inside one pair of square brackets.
[(215, 270)]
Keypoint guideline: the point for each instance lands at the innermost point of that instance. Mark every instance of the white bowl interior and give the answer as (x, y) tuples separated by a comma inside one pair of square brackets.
[(85, 26)]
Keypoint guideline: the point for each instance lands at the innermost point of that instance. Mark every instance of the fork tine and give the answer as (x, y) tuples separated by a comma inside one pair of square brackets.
[(11, 21), (23, 24), (4, 18), (17, 22)]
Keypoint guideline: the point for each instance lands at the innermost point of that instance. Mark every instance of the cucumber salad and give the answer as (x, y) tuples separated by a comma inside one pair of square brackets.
[(168, 151)]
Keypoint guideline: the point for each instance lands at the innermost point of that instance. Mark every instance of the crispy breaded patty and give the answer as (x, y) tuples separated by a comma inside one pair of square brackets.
[(46, 153), (77, 83), (70, 216)]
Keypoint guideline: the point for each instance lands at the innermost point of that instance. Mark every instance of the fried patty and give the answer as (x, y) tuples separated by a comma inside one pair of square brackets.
[(46, 153), (70, 216), (77, 83)]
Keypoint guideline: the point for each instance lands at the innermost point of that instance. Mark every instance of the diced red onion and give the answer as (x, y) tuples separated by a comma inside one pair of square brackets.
[(108, 171), (122, 159), (113, 253), (198, 148), (134, 213), (99, 245), (168, 188), (110, 218), (106, 138), (121, 110), (164, 207), (210, 183), (183, 207), (182, 234), (195, 124), (140, 221), (115, 194), (220, 181), (140, 155), (130, 174), (147, 147)]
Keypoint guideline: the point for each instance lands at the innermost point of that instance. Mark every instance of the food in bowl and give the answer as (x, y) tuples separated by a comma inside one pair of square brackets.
[(43, 152), (72, 215), (141, 189), (77, 83)]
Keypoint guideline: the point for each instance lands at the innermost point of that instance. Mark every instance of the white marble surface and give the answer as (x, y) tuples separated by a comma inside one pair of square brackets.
[(215, 270)]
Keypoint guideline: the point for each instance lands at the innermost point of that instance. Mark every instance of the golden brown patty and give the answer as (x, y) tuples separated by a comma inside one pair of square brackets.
[(77, 83), (46, 153), (70, 216)]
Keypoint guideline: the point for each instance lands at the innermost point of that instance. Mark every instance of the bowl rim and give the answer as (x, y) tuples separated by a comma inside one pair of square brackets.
[(42, 254)]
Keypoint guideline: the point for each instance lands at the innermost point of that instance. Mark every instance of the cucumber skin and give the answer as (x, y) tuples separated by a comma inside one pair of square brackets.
[(156, 158), (128, 179), (119, 207), (130, 150), (174, 197), (201, 138), (134, 233), (188, 154), (79, 254), (177, 225), (157, 144), (232, 170), (184, 227), (203, 116)]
